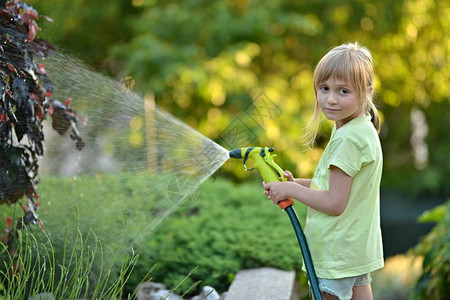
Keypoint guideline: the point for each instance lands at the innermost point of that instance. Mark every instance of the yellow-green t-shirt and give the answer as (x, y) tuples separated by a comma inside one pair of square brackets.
[(349, 244)]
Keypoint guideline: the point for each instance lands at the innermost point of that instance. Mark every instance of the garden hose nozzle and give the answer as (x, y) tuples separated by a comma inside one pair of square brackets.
[(263, 162)]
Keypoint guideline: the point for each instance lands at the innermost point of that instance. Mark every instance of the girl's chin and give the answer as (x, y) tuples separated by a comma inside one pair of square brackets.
[(331, 116)]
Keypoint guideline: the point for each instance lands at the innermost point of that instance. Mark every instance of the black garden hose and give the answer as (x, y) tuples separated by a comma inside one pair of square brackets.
[(305, 253)]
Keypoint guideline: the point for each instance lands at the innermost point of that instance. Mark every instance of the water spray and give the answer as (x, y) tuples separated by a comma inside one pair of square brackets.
[(263, 161)]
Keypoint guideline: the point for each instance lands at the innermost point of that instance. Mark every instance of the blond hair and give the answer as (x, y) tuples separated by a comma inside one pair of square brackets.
[(354, 64)]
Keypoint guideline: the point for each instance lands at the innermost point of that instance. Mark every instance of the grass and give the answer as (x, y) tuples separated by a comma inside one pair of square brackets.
[(33, 267)]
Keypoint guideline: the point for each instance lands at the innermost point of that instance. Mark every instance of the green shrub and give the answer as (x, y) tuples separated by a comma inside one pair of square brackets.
[(434, 283), (118, 208), (26, 102), (106, 205), (231, 227)]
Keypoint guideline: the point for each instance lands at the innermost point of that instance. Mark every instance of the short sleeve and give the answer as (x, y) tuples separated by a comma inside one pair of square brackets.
[(346, 156)]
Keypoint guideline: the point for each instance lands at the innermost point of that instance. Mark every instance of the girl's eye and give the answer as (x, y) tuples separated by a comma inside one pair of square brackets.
[(343, 91), (323, 88)]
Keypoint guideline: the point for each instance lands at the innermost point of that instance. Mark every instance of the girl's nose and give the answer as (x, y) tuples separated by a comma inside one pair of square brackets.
[(331, 99)]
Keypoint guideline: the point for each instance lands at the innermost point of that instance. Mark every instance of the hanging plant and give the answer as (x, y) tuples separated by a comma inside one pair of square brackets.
[(26, 100)]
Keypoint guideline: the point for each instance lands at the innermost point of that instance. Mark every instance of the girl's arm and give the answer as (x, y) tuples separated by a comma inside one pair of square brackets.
[(332, 202), (303, 181)]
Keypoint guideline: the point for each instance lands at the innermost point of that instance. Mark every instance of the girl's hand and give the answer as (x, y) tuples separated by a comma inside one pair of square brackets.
[(276, 191), (288, 175)]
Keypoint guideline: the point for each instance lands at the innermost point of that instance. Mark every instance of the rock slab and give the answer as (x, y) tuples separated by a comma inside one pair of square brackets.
[(263, 284)]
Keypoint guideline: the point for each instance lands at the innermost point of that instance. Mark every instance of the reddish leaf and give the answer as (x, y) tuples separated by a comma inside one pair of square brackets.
[(9, 222), (41, 69), (40, 112), (12, 68), (33, 28), (27, 15), (67, 103)]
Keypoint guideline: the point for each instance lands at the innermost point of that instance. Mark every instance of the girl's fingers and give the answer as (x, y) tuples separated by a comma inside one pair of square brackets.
[(288, 175), (266, 189)]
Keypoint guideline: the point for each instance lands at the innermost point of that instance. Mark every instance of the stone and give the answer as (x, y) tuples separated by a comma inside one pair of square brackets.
[(207, 293), (42, 296), (164, 294), (145, 289), (263, 284), (154, 291)]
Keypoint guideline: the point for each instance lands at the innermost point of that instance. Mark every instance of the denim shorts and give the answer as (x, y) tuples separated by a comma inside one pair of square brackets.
[(342, 287)]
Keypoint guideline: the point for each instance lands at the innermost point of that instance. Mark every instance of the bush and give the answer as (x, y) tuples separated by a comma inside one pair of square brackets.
[(230, 228), (118, 208), (434, 283), (25, 102), (99, 204)]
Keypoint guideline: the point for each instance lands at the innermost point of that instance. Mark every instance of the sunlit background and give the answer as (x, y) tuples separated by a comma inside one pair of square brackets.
[(208, 62)]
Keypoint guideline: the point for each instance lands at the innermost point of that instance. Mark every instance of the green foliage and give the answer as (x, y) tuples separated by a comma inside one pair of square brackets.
[(87, 28), (208, 61), (230, 228), (119, 209), (434, 283)]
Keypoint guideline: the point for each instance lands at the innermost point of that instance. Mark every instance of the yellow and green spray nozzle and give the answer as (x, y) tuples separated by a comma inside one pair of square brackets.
[(264, 163)]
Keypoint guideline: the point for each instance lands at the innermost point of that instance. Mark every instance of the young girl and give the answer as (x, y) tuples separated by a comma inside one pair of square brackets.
[(343, 221)]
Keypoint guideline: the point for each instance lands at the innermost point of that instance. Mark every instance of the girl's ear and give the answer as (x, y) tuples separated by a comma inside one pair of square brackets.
[(370, 89)]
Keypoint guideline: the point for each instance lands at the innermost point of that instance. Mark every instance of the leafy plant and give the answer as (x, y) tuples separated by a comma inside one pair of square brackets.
[(25, 91), (434, 283)]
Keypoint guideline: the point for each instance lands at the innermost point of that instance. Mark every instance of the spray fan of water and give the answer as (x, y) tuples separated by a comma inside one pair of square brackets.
[(128, 136)]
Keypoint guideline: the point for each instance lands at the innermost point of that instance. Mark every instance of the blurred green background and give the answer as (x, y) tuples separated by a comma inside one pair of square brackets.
[(245, 67)]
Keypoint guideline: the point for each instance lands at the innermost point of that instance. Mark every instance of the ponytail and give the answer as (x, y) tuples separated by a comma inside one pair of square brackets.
[(375, 118)]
